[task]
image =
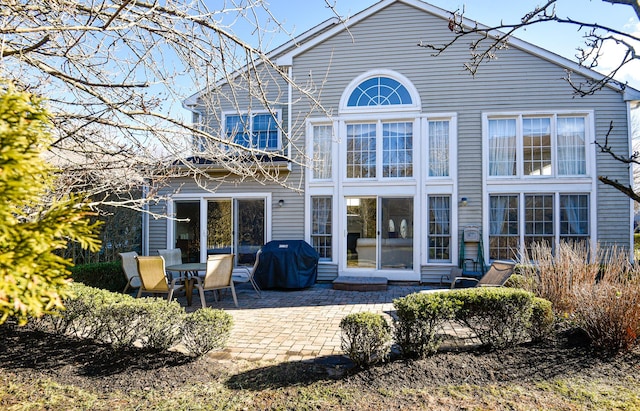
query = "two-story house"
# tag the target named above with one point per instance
(405, 163)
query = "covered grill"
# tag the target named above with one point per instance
(287, 264)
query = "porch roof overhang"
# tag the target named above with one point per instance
(267, 162)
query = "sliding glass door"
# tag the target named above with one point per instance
(379, 233)
(236, 226)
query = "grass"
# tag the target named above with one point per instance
(563, 394)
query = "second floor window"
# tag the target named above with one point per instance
(534, 146)
(260, 131)
(391, 141)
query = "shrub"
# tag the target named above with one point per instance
(117, 319)
(500, 317)
(80, 316)
(36, 225)
(160, 322)
(599, 289)
(542, 319)
(420, 317)
(108, 276)
(610, 315)
(366, 338)
(119, 322)
(520, 281)
(206, 329)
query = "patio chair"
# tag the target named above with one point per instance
(448, 278)
(245, 274)
(498, 274)
(217, 277)
(130, 269)
(172, 256)
(154, 279)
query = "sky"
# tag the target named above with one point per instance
(297, 16)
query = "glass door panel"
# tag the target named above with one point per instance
(362, 231)
(250, 230)
(396, 244)
(187, 230)
(219, 227)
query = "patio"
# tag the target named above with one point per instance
(300, 325)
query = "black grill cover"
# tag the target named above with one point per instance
(287, 264)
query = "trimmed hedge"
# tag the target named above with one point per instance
(499, 317)
(206, 329)
(123, 321)
(366, 338)
(107, 276)
(420, 317)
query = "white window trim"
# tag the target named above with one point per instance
(452, 118)
(590, 154)
(311, 123)
(203, 199)
(413, 92)
(278, 114)
(556, 191)
(378, 121)
(554, 184)
(453, 228)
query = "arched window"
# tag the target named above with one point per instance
(379, 91)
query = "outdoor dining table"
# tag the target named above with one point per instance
(190, 271)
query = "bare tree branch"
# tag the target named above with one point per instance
(116, 71)
(486, 42)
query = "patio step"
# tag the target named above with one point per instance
(349, 283)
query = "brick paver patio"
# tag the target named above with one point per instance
(298, 325)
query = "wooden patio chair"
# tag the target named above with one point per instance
(154, 279)
(217, 277)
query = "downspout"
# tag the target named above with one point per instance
(289, 107)
(631, 176)
(145, 221)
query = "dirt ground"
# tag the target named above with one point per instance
(27, 355)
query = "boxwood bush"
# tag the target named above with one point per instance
(366, 338)
(420, 317)
(499, 317)
(122, 321)
(206, 329)
(107, 276)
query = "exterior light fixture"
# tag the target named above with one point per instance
(464, 201)
(280, 203)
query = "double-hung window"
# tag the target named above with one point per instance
(321, 227)
(439, 228)
(259, 131)
(322, 152)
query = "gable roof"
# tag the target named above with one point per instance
(285, 53)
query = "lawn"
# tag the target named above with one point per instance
(42, 371)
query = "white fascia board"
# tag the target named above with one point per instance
(632, 95)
